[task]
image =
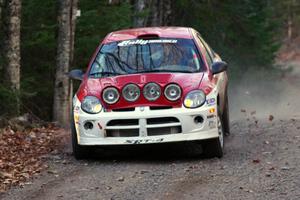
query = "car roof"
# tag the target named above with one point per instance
(164, 32)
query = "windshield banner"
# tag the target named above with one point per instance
(144, 42)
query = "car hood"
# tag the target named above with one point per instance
(187, 82)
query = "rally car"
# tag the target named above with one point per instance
(151, 85)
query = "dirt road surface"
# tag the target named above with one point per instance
(261, 160)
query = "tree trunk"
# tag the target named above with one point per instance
(160, 13)
(139, 14)
(1, 7)
(11, 50)
(73, 17)
(1, 29)
(114, 2)
(66, 31)
(290, 22)
(152, 13)
(167, 13)
(72, 47)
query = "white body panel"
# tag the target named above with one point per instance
(185, 128)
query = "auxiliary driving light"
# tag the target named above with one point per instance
(152, 91)
(131, 92)
(172, 92)
(110, 95)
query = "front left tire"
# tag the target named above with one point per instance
(80, 152)
(225, 116)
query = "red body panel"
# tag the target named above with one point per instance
(187, 81)
(164, 32)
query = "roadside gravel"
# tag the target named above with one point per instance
(261, 162)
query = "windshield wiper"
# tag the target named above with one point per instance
(105, 73)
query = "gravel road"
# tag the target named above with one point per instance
(261, 161)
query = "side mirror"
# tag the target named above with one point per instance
(218, 67)
(76, 74)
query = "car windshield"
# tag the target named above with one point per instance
(146, 56)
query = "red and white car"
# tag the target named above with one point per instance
(151, 85)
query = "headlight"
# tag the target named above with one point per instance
(194, 99)
(172, 92)
(151, 91)
(110, 95)
(91, 104)
(131, 92)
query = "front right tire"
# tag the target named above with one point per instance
(215, 147)
(225, 117)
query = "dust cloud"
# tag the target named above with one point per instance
(261, 94)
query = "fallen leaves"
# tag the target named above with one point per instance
(21, 153)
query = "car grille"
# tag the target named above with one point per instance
(143, 127)
(122, 133)
(151, 108)
(160, 107)
(123, 110)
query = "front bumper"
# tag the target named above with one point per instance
(145, 126)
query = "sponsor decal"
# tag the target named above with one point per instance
(212, 124)
(211, 101)
(76, 121)
(144, 42)
(76, 109)
(145, 141)
(212, 110)
(76, 118)
(211, 116)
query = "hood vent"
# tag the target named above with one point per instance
(148, 36)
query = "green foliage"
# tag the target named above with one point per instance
(38, 56)
(8, 101)
(97, 19)
(241, 31)
(244, 32)
(39, 28)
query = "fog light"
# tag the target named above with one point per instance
(198, 119)
(88, 125)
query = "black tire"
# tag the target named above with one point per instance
(79, 152)
(193, 149)
(213, 147)
(225, 117)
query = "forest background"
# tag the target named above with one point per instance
(33, 33)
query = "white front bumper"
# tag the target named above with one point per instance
(189, 130)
